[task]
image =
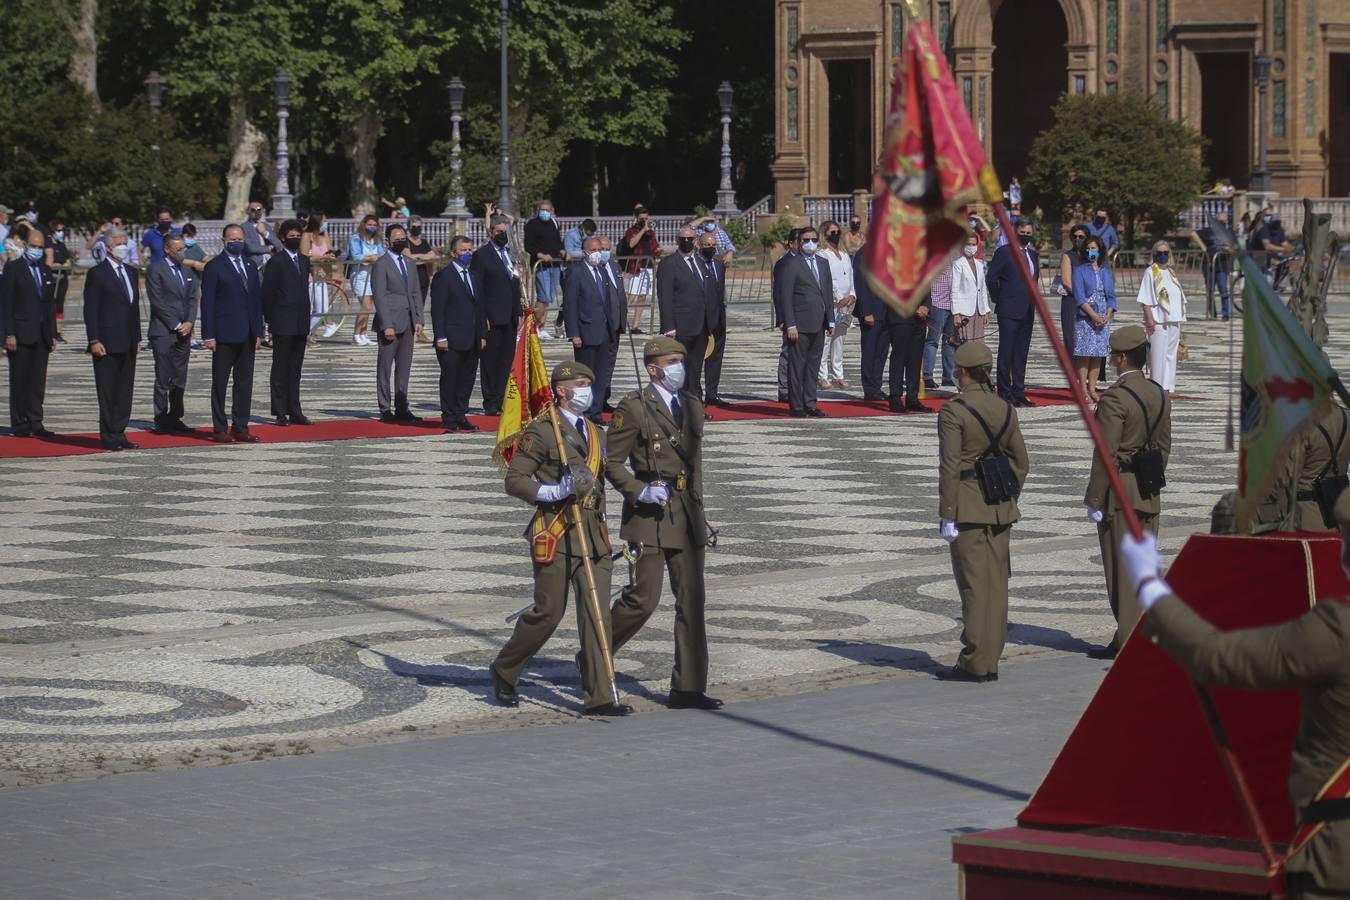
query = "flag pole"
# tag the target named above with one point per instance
(1230, 763)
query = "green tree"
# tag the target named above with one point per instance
(1120, 152)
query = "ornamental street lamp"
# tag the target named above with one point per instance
(454, 204)
(154, 91)
(726, 196)
(504, 179)
(1261, 177)
(281, 195)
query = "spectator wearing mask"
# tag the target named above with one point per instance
(58, 261)
(613, 273)
(112, 322)
(459, 330)
(1164, 306)
(174, 291)
(286, 309)
(641, 245)
(194, 257)
(969, 294)
(845, 298)
(153, 239)
(806, 309)
(1016, 312)
(259, 238)
(1101, 227)
(232, 329)
(97, 246)
(316, 245)
(1069, 260)
(593, 321)
(575, 238)
(398, 319)
(791, 247)
(364, 250)
(726, 250)
(939, 337)
(424, 255)
(544, 249)
(1095, 291)
(690, 299)
(1215, 265)
(853, 240)
(1269, 239)
(500, 297)
(28, 329)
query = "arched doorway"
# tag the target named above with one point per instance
(1030, 64)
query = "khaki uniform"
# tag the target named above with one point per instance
(1311, 653)
(1122, 423)
(980, 553)
(536, 462)
(1323, 450)
(675, 534)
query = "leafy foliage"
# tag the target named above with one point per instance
(1120, 152)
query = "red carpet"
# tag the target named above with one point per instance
(347, 429)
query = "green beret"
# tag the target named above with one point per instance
(569, 370)
(661, 346)
(973, 354)
(1128, 338)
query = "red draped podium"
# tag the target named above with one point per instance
(1138, 798)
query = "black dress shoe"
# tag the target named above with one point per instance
(128, 445)
(111, 448)
(609, 710)
(1107, 652)
(895, 406)
(301, 420)
(178, 426)
(1023, 401)
(467, 427)
(918, 407)
(222, 437)
(282, 421)
(387, 418)
(406, 417)
(817, 413)
(947, 382)
(797, 413)
(956, 673)
(43, 433)
(929, 384)
(245, 437)
(692, 700)
(504, 693)
(874, 397)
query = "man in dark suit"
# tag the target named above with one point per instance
(28, 328)
(285, 304)
(871, 313)
(775, 286)
(398, 320)
(501, 305)
(689, 309)
(460, 333)
(618, 299)
(112, 322)
(1016, 313)
(174, 290)
(593, 321)
(806, 309)
(906, 336)
(716, 286)
(232, 327)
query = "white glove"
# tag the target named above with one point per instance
(654, 493)
(947, 528)
(1096, 515)
(1143, 563)
(552, 493)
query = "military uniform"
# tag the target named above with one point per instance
(1133, 413)
(648, 442)
(556, 547)
(980, 556)
(1323, 452)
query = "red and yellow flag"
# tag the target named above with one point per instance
(527, 390)
(932, 167)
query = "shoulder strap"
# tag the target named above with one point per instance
(1149, 428)
(661, 423)
(1334, 448)
(993, 438)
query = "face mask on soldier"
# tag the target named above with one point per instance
(673, 378)
(580, 401)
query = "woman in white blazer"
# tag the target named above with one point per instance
(970, 296)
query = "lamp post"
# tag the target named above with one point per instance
(154, 91)
(454, 204)
(1261, 177)
(504, 179)
(726, 196)
(281, 195)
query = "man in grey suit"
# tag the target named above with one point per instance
(398, 320)
(260, 241)
(805, 303)
(174, 290)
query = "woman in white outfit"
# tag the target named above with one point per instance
(1164, 306)
(841, 272)
(970, 296)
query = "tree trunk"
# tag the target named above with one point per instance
(247, 143)
(362, 135)
(595, 181)
(84, 52)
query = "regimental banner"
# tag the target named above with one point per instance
(527, 390)
(1286, 387)
(932, 167)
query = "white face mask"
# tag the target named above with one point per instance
(971, 249)
(595, 257)
(808, 247)
(674, 376)
(121, 251)
(580, 401)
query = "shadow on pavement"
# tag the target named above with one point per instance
(880, 655)
(1053, 638)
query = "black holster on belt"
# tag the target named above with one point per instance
(993, 470)
(1325, 491)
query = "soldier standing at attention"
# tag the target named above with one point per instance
(1322, 457)
(658, 431)
(1311, 653)
(536, 475)
(1135, 418)
(982, 465)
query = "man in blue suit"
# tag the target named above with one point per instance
(593, 317)
(112, 321)
(460, 330)
(232, 327)
(1016, 313)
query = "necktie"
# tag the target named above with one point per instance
(239, 269)
(506, 261)
(468, 285)
(599, 283)
(295, 258)
(37, 278)
(677, 410)
(126, 283)
(585, 436)
(179, 272)
(707, 265)
(815, 273)
(693, 267)
(403, 270)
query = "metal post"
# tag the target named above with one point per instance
(281, 196)
(726, 196)
(1261, 177)
(504, 180)
(154, 93)
(454, 204)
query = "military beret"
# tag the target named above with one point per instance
(1125, 339)
(661, 346)
(973, 354)
(1342, 511)
(569, 370)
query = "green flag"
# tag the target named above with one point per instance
(1286, 386)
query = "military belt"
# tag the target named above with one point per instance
(1332, 810)
(968, 475)
(681, 480)
(1305, 495)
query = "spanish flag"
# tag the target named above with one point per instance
(527, 391)
(932, 167)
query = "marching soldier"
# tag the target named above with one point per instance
(658, 431)
(536, 475)
(1322, 458)
(1311, 653)
(982, 466)
(1135, 418)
